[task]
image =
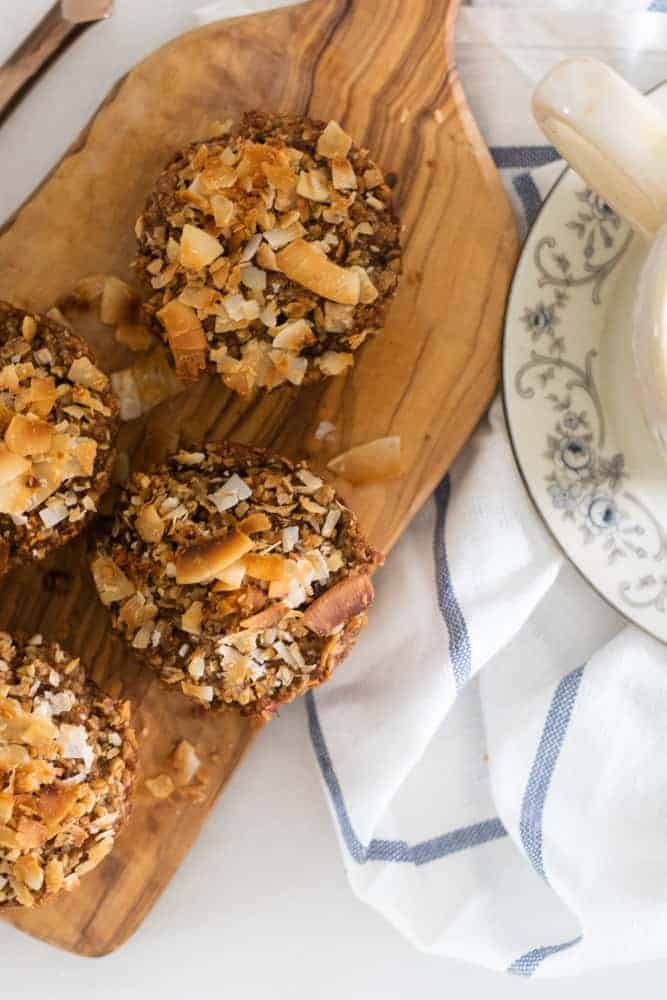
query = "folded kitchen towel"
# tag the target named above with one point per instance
(495, 750)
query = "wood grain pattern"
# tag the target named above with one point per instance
(386, 72)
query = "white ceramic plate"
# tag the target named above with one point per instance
(588, 458)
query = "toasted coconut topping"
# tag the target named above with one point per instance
(160, 787)
(149, 381)
(333, 142)
(11, 465)
(334, 362)
(112, 584)
(370, 462)
(117, 302)
(83, 372)
(306, 264)
(215, 597)
(338, 604)
(67, 763)
(185, 763)
(150, 525)
(279, 234)
(58, 421)
(185, 337)
(203, 561)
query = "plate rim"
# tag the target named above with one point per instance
(567, 169)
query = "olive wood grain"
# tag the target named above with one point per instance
(386, 71)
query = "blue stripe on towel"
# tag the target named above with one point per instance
(459, 640)
(660, 6)
(392, 850)
(526, 964)
(544, 765)
(528, 157)
(531, 199)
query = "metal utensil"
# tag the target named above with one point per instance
(59, 26)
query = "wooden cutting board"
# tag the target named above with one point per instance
(385, 69)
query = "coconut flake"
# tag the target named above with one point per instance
(278, 238)
(290, 654)
(75, 746)
(318, 562)
(293, 336)
(290, 537)
(185, 763)
(230, 493)
(333, 142)
(296, 595)
(330, 522)
(251, 247)
(197, 667)
(54, 514)
(324, 428)
(334, 362)
(370, 462)
(311, 482)
(253, 278)
(190, 457)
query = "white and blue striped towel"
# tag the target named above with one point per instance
(514, 816)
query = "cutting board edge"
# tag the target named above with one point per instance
(484, 390)
(119, 939)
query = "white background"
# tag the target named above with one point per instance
(261, 908)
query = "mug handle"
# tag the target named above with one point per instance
(613, 137)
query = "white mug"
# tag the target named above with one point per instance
(616, 140)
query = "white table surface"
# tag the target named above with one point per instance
(261, 908)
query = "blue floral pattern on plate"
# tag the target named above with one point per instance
(587, 482)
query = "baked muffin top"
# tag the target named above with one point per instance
(67, 764)
(58, 420)
(271, 252)
(236, 575)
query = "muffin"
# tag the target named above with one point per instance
(270, 252)
(67, 763)
(58, 421)
(236, 575)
